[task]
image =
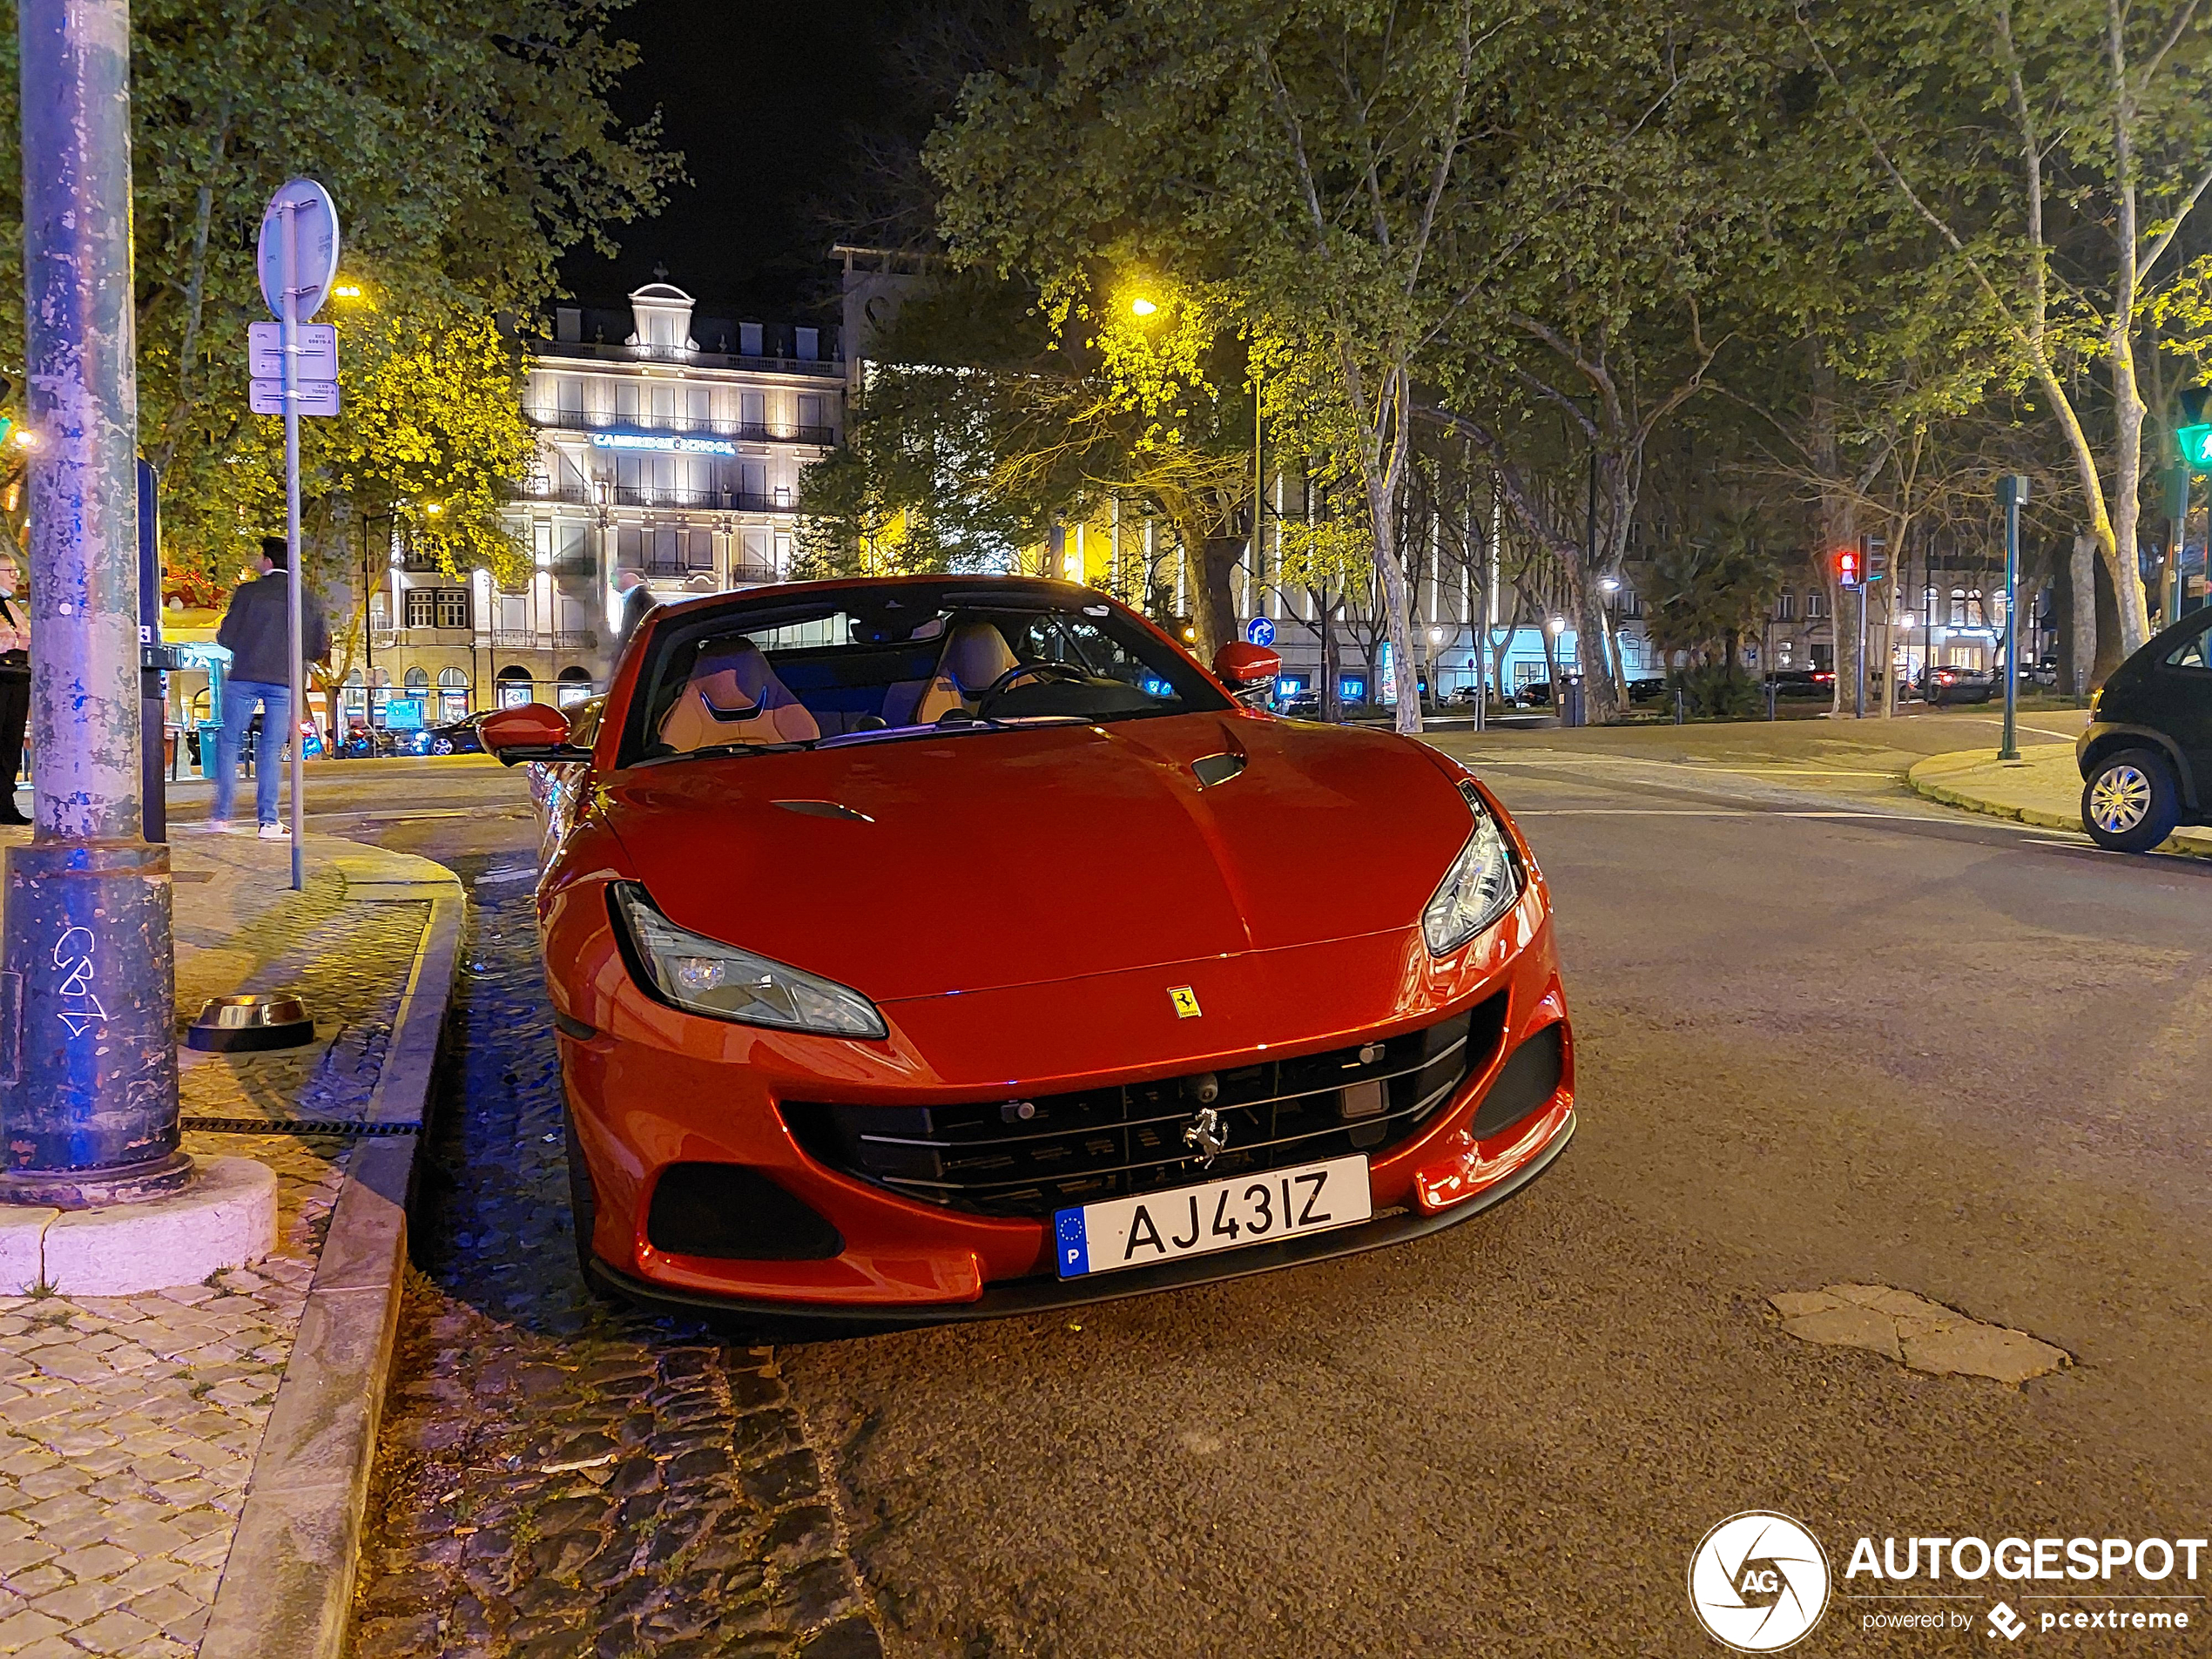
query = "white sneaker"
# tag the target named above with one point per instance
(276, 831)
(216, 825)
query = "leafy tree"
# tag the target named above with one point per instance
(1708, 592)
(468, 147)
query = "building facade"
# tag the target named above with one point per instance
(668, 443)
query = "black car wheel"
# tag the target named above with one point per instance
(441, 746)
(2130, 803)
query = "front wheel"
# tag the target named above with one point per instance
(441, 746)
(2130, 803)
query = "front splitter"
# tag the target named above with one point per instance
(813, 1322)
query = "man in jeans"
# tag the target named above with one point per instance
(256, 631)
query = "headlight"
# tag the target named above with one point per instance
(1480, 887)
(707, 977)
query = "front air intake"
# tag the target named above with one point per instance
(732, 1213)
(1526, 1084)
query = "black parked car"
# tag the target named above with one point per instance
(1802, 681)
(1940, 685)
(1646, 690)
(456, 736)
(2146, 755)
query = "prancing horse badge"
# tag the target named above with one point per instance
(1185, 1000)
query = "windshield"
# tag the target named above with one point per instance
(876, 663)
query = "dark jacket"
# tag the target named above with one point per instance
(254, 630)
(635, 604)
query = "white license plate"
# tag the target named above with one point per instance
(1215, 1214)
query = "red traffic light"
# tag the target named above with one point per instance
(1847, 567)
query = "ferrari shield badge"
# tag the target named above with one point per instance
(1185, 1000)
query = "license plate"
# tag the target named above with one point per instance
(1215, 1214)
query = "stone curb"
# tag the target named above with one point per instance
(287, 1586)
(1943, 777)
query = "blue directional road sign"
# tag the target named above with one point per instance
(1260, 631)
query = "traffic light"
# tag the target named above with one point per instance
(1874, 558)
(1847, 567)
(2194, 433)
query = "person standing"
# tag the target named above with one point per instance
(637, 600)
(15, 692)
(256, 631)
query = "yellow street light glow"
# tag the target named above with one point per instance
(434, 508)
(348, 291)
(1143, 307)
(25, 438)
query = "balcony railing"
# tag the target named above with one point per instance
(725, 501)
(547, 415)
(676, 569)
(828, 367)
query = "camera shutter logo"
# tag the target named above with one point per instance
(1758, 1583)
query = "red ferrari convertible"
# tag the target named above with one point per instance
(948, 946)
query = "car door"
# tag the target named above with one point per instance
(2180, 704)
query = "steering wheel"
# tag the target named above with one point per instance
(1004, 683)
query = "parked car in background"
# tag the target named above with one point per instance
(1537, 694)
(1801, 682)
(1646, 690)
(1941, 685)
(461, 737)
(2146, 755)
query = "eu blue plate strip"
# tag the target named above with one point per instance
(1074, 1246)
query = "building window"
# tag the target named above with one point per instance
(1785, 606)
(1816, 604)
(421, 606)
(453, 609)
(453, 694)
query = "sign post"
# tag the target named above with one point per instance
(2011, 490)
(299, 260)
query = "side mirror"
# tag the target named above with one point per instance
(1248, 671)
(533, 732)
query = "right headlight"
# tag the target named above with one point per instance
(1480, 887)
(704, 975)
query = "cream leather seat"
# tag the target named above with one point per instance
(976, 654)
(734, 696)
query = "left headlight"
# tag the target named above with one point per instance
(706, 977)
(1480, 887)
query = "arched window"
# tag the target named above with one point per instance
(417, 680)
(514, 687)
(356, 696)
(1958, 607)
(453, 694)
(574, 686)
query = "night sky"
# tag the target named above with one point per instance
(761, 96)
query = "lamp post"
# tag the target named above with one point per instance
(88, 1068)
(2011, 490)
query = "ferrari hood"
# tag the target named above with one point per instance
(927, 866)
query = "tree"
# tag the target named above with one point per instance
(1708, 592)
(2056, 154)
(468, 147)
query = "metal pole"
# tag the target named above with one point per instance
(88, 1065)
(1859, 692)
(2013, 493)
(293, 575)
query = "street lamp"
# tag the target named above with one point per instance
(1557, 624)
(1141, 306)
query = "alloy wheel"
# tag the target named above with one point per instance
(2119, 800)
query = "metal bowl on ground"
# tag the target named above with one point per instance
(257, 1020)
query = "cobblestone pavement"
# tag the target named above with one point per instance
(129, 1425)
(558, 1477)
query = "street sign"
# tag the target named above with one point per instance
(314, 235)
(316, 397)
(318, 351)
(1259, 631)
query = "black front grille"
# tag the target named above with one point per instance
(988, 1158)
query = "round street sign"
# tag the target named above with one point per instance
(315, 220)
(1260, 631)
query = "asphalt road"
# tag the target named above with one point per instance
(1895, 1045)
(1825, 1033)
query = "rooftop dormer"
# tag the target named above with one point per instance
(662, 315)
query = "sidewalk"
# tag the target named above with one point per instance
(133, 1429)
(2043, 786)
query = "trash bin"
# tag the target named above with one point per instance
(1570, 700)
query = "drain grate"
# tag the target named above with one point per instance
(296, 1126)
